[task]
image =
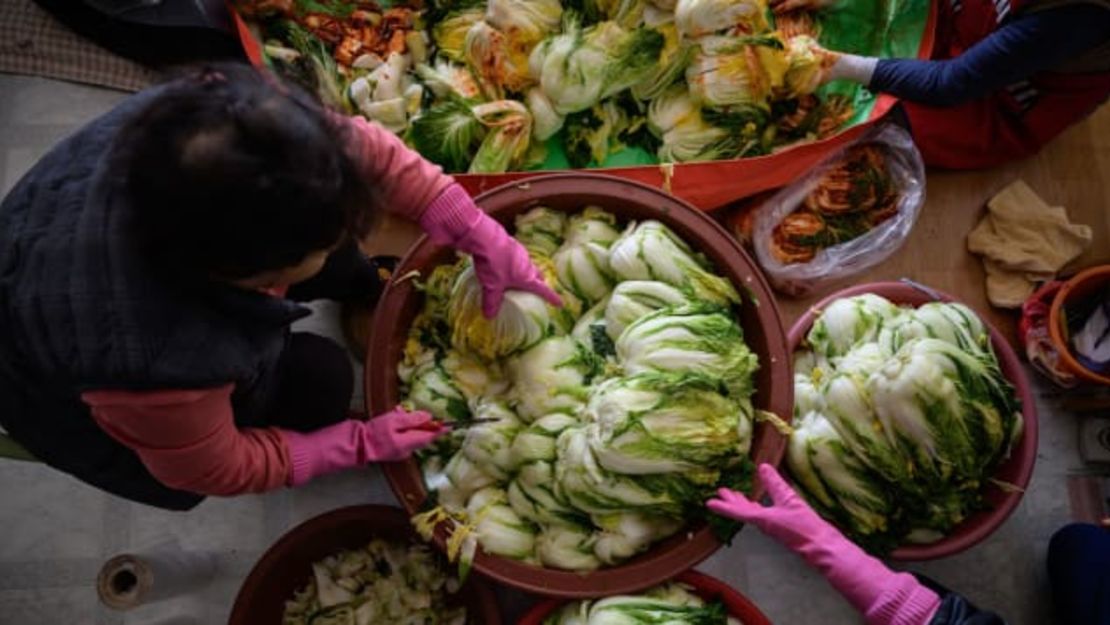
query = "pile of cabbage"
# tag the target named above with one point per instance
(669, 604)
(901, 417)
(381, 584)
(493, 81)
(588, 432)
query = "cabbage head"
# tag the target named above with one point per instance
(588, 487)
(540, 230)
(545, 121)
(804, 362)
(634, 299)
(834, 478)
(552, 377)
(637, 610)
(448, 80)
(584, 270)
(488, 444)
(678, 122)
(501, 531)
(698, 339)
(437, 288)
(533, 495)
(448, 133)
(622, 535)
(589, 330)
(567, 547)
(652, 251)
(525, 20)
(537, 441)
(849, 406)
(433, 391)
(698, 18)
(803, 72)
(449, 33)
(950, 414)
(506, 144)
(593, 225)
(626, 13)
(862, 360)
(746, 72)
(474, 378)
(669, 604)
(524, 320)
(670, 109)
(463, 479)
(655, 423)
(950, 322)
(582, 66)
(850, 321)
(673, 59)
(499, 63)
(807, 397)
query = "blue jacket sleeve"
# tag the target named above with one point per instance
(956, 610)
(1020, 48)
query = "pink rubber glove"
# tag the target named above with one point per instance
(881, 595)
(390, 436)
(500, 261)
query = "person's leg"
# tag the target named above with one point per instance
(315, 384)
(1079, 572)
(347, 276)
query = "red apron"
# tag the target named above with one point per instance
(1010, 123)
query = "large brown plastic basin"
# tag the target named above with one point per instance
(1016, 470)
(287, 565)
(630, 201)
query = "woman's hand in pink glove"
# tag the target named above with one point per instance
(394, 435)
(881, 595)
(789, 519)
(387, 437)
(500, 262)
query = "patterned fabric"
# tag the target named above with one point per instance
(32, 42)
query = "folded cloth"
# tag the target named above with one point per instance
(1023, 241)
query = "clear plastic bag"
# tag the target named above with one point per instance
(842, 260)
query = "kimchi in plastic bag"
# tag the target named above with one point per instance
(849, 213)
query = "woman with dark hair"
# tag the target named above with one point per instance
(1007, 76)
(149, 266)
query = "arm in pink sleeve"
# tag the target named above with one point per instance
(407, 182)
(188, 440)
(883, 596)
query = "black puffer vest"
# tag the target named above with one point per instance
(80, 310)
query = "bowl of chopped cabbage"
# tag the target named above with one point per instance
(915, 429)
(361, 564)
(690, 599)
(588, 437)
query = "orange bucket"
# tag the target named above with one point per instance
(1083, 285)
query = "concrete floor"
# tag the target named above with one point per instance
(56, 532)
